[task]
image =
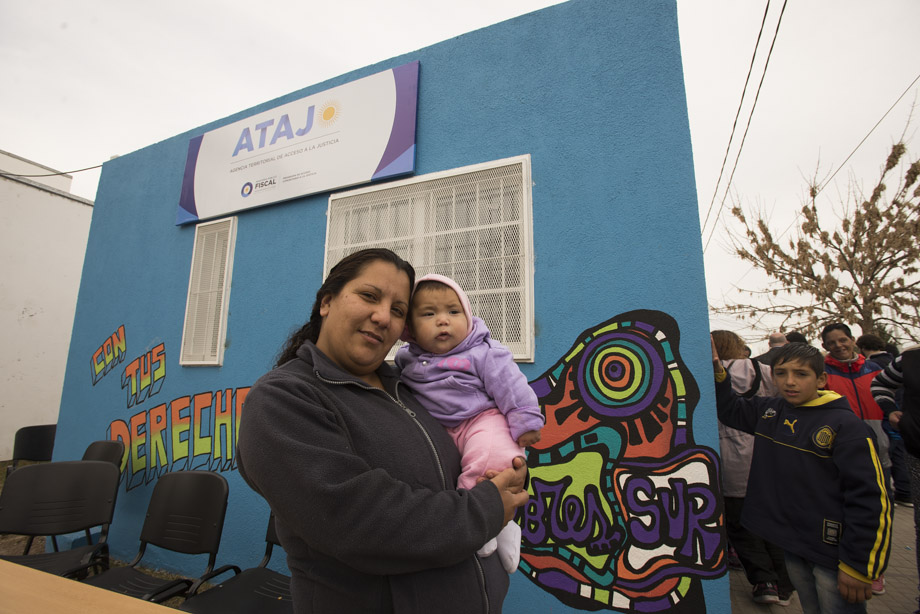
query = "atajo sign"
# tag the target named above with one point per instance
(351, 134)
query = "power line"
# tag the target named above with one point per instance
(88, 168)
(842, 164)
(747, 127)
(737, 114)
(855, 149)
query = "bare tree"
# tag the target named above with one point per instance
(862, 270)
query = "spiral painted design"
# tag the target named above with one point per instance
(620, 373)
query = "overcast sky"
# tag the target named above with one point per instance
(84, 81)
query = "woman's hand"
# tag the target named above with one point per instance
(510, 484)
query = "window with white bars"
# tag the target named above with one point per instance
(472, 224)
(205, 329)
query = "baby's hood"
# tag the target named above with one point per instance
(450, 283)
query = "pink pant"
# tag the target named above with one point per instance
(485, 443)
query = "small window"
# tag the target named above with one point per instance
(472, 224)
(205, 328)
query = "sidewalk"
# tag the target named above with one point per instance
(901, 578)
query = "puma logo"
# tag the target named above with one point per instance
(791, 425)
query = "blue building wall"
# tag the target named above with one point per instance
(591, 89)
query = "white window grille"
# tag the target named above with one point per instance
(473, 224)
(205, 329)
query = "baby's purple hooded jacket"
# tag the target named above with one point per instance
(478, 374)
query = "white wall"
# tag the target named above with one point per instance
(43, 234)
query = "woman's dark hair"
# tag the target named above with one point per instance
(343, 272)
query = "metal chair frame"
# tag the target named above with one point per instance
(185, 515)
(257, 589)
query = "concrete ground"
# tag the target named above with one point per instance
(900, 578)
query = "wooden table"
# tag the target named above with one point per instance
(24, 590)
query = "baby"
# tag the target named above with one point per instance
(470, 383)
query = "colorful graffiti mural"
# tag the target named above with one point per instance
(109, 354)
(190, 432)
(197, 431)
(624, 512)
(144, 376)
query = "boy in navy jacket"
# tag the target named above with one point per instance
(816, 487)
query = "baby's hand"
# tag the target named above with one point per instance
(528, 439)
